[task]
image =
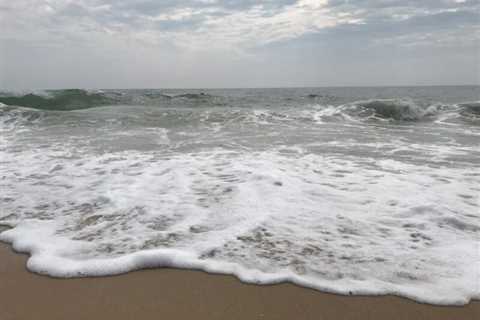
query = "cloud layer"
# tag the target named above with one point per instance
(137, 43)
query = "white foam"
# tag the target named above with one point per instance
(266, 217)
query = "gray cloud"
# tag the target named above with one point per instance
(135, 43)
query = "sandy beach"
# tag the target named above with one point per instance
(183, 294)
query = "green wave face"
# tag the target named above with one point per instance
(69, 99)
(332, 104)
(74, 99)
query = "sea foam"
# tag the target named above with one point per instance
(336, 225)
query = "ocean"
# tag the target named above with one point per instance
(346, 190)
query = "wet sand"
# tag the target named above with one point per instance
(183, 294)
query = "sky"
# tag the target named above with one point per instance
(243, 43)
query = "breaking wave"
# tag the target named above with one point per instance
(403, 110)
(290, 108)
(74, 99)
(470, 108)
(70, 99)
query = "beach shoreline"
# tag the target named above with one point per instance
(186, 294)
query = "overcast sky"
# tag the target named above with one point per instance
(244, 43)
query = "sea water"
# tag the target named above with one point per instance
(346, 190)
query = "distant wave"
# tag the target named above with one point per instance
(299, 109)
(69, 99)
(394, 109)
(471, 108)
(405, 110)
(74, 99)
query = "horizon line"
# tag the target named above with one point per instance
(246, 88)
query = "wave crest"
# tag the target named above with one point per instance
(285, 108)
(470, 108)
(74, 99)
(403, 110)
(69, 99)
